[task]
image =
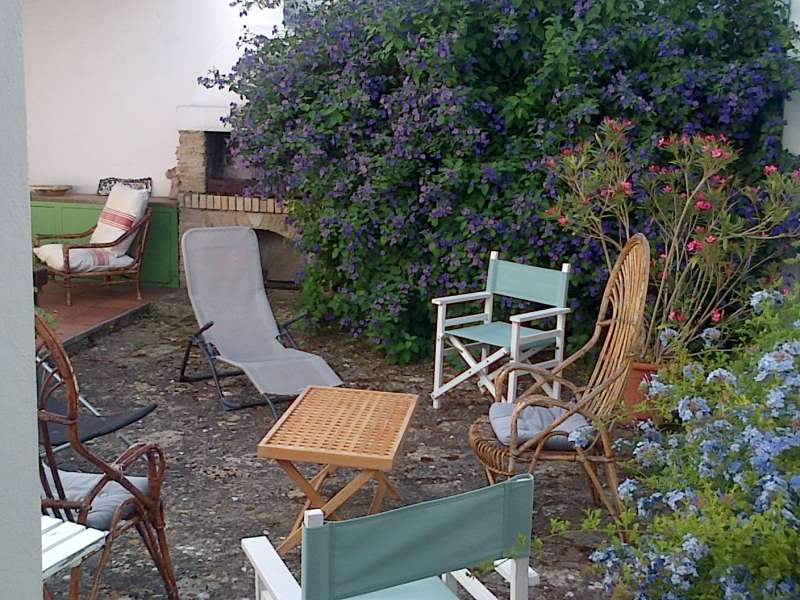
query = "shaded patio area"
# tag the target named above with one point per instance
(217, 491)
(94, 307)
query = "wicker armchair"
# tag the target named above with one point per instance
(132, 272)
(619, 327)
(109, 499)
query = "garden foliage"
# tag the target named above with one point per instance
(412, 134)
(713, 508)
(710, 235)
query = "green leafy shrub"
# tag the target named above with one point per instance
(411, 134)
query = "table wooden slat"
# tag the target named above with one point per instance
(340, 426)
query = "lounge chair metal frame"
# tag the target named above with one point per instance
(210, 353)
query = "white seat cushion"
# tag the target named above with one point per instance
(532, 421)
(124, 207)
(82, 260)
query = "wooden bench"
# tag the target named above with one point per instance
(66, 544)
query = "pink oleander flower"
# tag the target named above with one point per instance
(716, 315)
(710, 239)
(702, 204)
(662, 256)
(550, 163)
(770, 170)
(676, 316)
(566, 152)
(716, 153)
(626, 187)
(796, 175)
(667, 189)
(562, 220)
(694, 245)
(663, 142)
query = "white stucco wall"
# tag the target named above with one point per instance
(791, 110)
(20, 557)
(104, 80)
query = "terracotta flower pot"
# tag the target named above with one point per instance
(633, 394)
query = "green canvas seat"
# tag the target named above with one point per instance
(485, 344)
(499, 334)
(416, 552)
(432, 588)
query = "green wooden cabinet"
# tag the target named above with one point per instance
(161, 254)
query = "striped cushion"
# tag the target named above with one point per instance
(81, 260)
(124, 207)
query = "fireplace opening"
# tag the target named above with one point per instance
(223, 174)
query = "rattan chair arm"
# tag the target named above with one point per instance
(63, 236)
(156, 465)
(540, 373)
(130, 233)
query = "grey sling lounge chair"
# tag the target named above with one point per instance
(237, 327)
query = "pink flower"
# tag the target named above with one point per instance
(710, 239)
(663, 142)
(676, 316)
(716, 315)
(702, 204)
(770, 170)
(562, 220)
(566, 152)
(716, 153)
(626, 187)
(662, 256)
(550, 163)
(796, 175)
(667, 189)
(694, 246)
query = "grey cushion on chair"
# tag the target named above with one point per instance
(78, 485)
(532, 421)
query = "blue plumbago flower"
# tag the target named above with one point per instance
(692, 371)
(776, 399)
(762, 298)
(656, 388)
(796, 324)
(721, 375)
(693, 407)
(675, 498)
(626, 489)
(666, 336)
(647, 503)
(778, 361)
(710, 336)
(582, 436)
(694, 547)
(647, 452)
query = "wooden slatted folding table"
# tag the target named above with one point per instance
(339, 427)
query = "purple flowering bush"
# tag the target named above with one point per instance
(713, 510)
(410, 135)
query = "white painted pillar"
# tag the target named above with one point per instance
(20, 534)
(791, 109)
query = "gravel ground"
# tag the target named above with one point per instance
(218, 492)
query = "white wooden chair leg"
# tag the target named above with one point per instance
(516, 356)
(438, 363)
(519, 579)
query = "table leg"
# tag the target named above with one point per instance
(327, 508)
(377, 499)
(317, 481)
(381, 477)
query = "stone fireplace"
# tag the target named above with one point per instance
(211, 193)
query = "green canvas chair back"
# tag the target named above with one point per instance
(347, 558)
(526, 282)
